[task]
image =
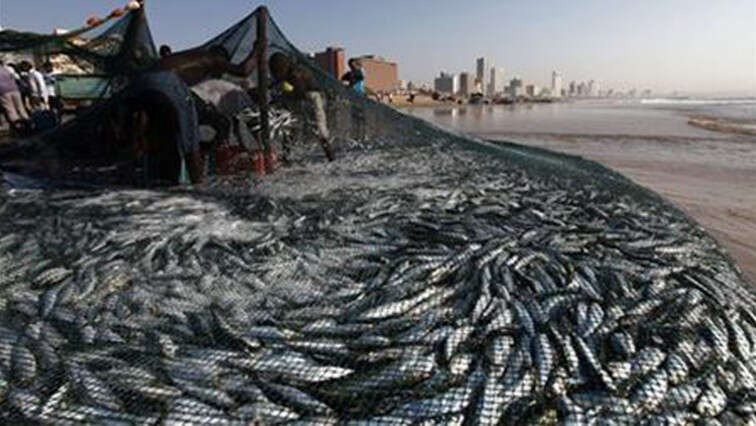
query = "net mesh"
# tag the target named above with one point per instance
(423, 277)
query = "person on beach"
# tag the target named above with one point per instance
(355, 77)
(53, 100)
(295, 84)
(10, 99)
(39, 95)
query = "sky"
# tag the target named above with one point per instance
(689, 46)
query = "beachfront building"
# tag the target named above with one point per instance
(380, 75)
(332, 61)
(516, 88)
(496, 84)
(592, 89)
(447, 83)
(531, 90)
(582, 89)
(465, 84)
(482, 66)
(556, 84)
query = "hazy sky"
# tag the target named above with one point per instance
(685, 45)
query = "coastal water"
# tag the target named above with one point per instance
(601, 117)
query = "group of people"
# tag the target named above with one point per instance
(157, 116)
(24, 91)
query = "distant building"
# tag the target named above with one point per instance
(466, 84)
(380, 74)
(496, 83)
(332, 61)
(556, 84)
(593, 89)
(573, 88)
(515, 87)
(531, 90)
(482, 66)
(447, 83)
(582, 89)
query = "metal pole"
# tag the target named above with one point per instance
(262, 74)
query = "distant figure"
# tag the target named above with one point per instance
(39, 94)
(355, 76)
(10, 99)
(53, 100)
(165, 50)
(296, 84)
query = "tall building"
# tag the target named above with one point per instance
(482, 66)
(380, 75)
(573, 88)
(466, 85)
(447, 83)
(593, 89)
(496, 83)
(332, 61)
(556, 84)
(515, 87)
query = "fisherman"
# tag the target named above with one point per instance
(355, 76)
(10, 99)
(295, 84)
(53, 100)
(165, 90)
(39, 94)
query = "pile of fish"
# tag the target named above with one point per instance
(399, 285)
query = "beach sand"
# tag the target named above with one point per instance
(712, 180)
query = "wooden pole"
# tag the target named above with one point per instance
(262, 74)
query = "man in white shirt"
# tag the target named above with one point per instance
(39, 93)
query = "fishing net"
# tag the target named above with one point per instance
(421, 278)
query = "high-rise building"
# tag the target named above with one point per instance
(332, 61)
(593, 89)
(496, 83)
(447, 83)
(482, 66)
(531, 90)
(556, 84)
(515, 87)
(380, 75)
(582, 89)
(466, 85)
(573, 88)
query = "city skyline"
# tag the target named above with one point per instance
(687, 46)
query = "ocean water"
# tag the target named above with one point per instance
(646, 118)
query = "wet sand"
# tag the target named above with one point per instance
(709, 175)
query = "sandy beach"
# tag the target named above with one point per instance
(708, 174)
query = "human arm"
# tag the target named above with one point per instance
(245, 68)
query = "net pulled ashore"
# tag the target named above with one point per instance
(422, 277)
